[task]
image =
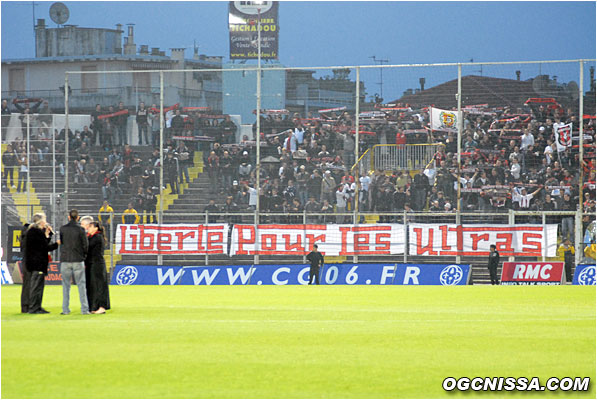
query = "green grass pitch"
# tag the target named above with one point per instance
(297, 341)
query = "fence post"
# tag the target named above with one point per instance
(355, 203)
(53, 174)
(511, 221)
(458, 221)
(544, 237)
(459, 139)
(581, 134)
(256, 222)
(29, 214)
(406, 239)
(305, 223)
(578, 237)
(206, 222)
(161, 210)
(111, 238)
(66, 141)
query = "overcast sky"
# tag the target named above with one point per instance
(349, 33)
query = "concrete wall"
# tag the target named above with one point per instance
(75, 41)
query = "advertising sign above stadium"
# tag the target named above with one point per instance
(244, 17)
(294, 274)
(532, 273)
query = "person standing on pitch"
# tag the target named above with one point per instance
(26, 287)
(494, 262)
(36, 258)
(73, 251)
(566, 250)
(316, 260)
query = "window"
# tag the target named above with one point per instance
(16, 77)
(88, 81)
(142, 81)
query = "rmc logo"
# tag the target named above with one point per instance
(127, 275)
(451, 275)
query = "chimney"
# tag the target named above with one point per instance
(41, 23)
(592, 75)
(129, 44)
(155, 51)
(422, 82)
(144, 49)
(119, 27)
(177, 54)
(517, 75)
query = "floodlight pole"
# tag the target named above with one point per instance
(66, 140)
(578, 226)
(459, 124)
(258, 137)
(29, 213)
(355, 219)
(53, 174)
(161, 209)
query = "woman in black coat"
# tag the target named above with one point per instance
(95, 270)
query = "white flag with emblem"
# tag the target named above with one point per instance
(443, 120)
(563, 134)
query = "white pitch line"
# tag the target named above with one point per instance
(368, 321)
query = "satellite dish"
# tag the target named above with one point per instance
(59, 13)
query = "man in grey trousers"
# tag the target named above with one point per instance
(73, 250)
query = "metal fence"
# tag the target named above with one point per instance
(331, 103)
(568, 225)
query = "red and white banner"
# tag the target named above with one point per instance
(332, 109)
(474, 240)
(443, 120)
(563, 134)
(532, 273)
(332, 240)
(172, 239)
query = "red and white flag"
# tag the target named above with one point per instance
(563, 134)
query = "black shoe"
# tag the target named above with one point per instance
(44, 310)
(24, 310)
(38, 312)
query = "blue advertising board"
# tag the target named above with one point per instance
(293, 274)
(584, 275)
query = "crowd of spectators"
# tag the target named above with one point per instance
(508, 160)
(123, 171)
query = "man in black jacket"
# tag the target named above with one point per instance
(10, 161)
(37, 245)
(316, 260)
(212, 208)
(73, 250)
(494, 262)
(121, 122)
